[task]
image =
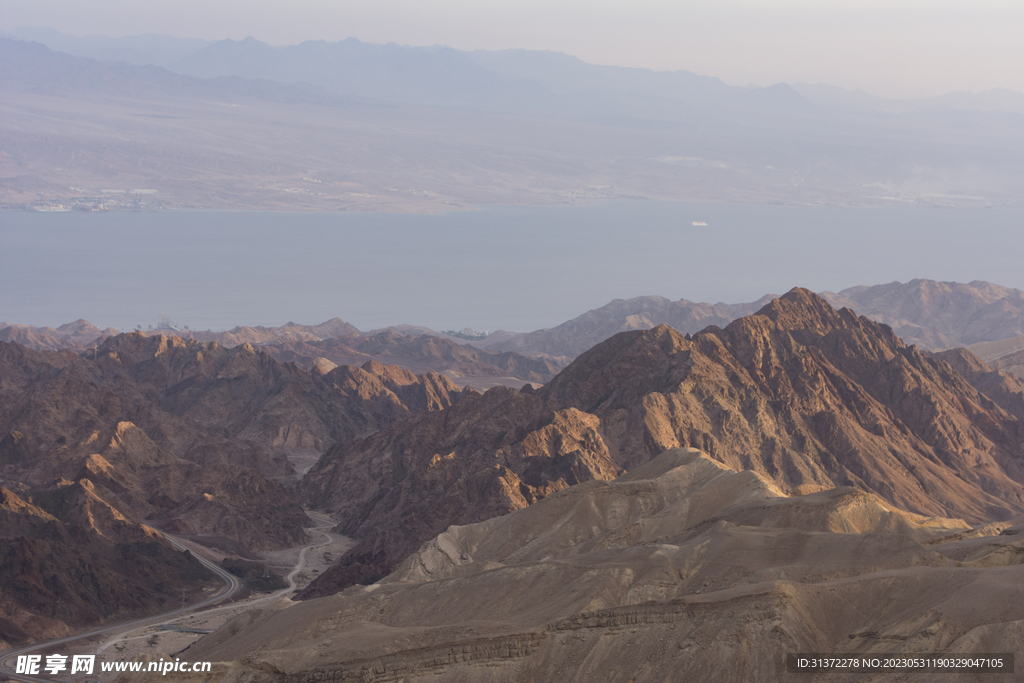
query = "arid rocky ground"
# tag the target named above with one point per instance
(850, 493)
(804, 395)
(681, 570)
(140, 434)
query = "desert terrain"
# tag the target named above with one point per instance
(682, 568)
(657, 489)
(702, 502)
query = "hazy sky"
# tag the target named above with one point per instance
(888, 47)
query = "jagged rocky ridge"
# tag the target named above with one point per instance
(573, 337)
(418, 350)
(418, 353)
(808, 397)
(143, 433)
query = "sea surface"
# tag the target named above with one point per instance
(513, 268)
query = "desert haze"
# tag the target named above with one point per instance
(350, 126)
(590, 372)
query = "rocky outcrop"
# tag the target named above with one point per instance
(805, 396)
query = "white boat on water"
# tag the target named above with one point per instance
(700, 224)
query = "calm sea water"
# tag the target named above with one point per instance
(517, 268)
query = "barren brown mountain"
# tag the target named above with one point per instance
(418, 353)
(1006, 388)
(940, 315)
(76, 336)
(84, 564)
(1012, 363)
(182, 436)
(680, 570)
(416, 349)
(930, 314)
(573, 337)
(806, 396)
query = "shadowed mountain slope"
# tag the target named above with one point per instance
(1005, 388)
(254, 397)
(680, 570)
(1013, 363)
(418, 353)
(806, 396)
(101, 449)
(72, 560)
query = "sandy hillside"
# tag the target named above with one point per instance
(680, 570)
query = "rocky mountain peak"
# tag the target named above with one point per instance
(804, 396)
(802, 309)
(77, 327)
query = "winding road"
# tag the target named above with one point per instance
(9, 658)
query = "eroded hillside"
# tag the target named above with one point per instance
(682, 569)
(808, 397)
(103, 450)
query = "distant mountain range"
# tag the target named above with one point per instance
(395, 126)
(940, 315)
(933, 315)
(433, 71)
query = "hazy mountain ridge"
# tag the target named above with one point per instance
(145, 49)
(575, 336)
(933, 315)
(434, 112)
(418, 353)
(422, 75)
(75, 336)
(805, 396)
(556, 71)
(938, 315)
(32, 68)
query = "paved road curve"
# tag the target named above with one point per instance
(300, 564)
(231, 585)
